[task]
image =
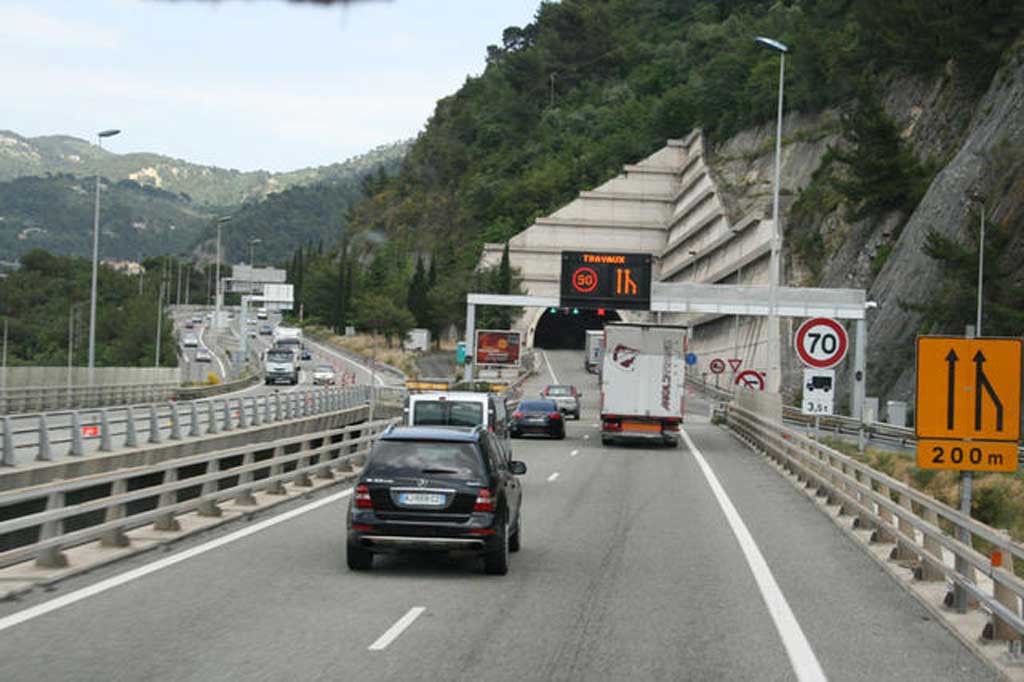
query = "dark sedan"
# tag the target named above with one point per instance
(431, 489)
(537, 416)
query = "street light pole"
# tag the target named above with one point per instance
(774, 352)
(252, 257)
(978, 199)
(95, 261)
(218, 293)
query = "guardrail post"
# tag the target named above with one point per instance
(8, 453)
(207, 504)
(52, 557)
(301, 479)
(246, 498)
(882, 534)
(998, 628)
(167, 522)
(965, 569)
(276, 487)
(278, 407)
(175, 422)
(863, 520)
(154, 425)
(226, 425)
(77, 450)
(929, 570)
(267, 415)
(131, 437)
(193, 417)
(255, 410)
(116, 537)
(901, 552)
(45, 454)
(211, 419)
(105, 431)
(243, 419)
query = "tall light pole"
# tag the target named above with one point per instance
(774, 353)
(975, 197)
(218, 293)
(95, 260)
(252, 242)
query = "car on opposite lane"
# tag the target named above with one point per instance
(566, 397)
(266, 329)
(436, 489)
(189, 340)
(539, 417)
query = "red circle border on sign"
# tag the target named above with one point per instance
(741, 377)
(719, 363)
(840, 353)
(582, 290)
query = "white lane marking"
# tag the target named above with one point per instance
(801, 656)
(118, 580)
(344, 358)
(223, 373)
(398, 628)
(554, 379)
(552, 477)
(574, 453)
(586, 436)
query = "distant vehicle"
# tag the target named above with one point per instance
(538, 416)
(203, 355)
(566, 397)
(594, 350)
(306, 355)
(288, 337)
(266, 329)
(430, 489)
(261, 314)
(280, 366)
(324, 375)
(642, 383)
(190, 340)
(197, 318)
(459, 408)
(189, 324)
(251, 322)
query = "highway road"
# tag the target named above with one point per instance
(696, 563)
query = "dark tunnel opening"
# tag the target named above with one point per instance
(565, 329)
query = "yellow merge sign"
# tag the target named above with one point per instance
(968, 403)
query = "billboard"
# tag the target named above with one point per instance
(497, 347)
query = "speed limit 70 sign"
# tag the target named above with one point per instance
(821, 342)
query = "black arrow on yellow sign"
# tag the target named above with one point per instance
(980, 380)
(951, 358)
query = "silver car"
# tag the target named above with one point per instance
(324, 375)
(566, 397)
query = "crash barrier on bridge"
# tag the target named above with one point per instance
(42, 398)
(921, 528)
(42, 522)
(46, 437)
(199, 392)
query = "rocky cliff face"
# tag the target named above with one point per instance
(977, 143)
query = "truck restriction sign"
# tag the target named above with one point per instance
(819, 392)
(717, 366)
(821, 342)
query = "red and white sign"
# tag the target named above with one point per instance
(750, 379)
(90, 431)
(821, 342)
(717, 366)
(734, 364)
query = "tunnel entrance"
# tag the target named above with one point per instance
(565, 329)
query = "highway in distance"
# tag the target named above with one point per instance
(636, 564)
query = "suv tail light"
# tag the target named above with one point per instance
(517, 415)
(484, 501)
(362, 498)
(556, 415)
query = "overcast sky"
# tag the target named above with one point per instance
(237, 83)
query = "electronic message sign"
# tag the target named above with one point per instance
(606, 280)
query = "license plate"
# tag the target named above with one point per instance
(536, 420)
(641, 426)
(421, 499)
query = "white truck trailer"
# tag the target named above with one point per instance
(592, 353)
(643, 376)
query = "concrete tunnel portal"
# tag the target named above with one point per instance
(564, 329)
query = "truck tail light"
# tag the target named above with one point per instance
(611, 426)
(362, 498)
(484, 501)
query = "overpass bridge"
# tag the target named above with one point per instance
(751, 553)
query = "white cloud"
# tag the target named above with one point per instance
(29, 27)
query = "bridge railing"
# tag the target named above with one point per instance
(923, 529)
(39, 398)
(43, 521)
(77, 433)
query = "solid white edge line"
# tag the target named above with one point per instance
(128, 576)
(329, 351)
(552, 477)
(801, 656)
(223, 372)
(397, 629)
(554, 379)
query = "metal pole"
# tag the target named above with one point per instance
(71, 348)
(188, 281)
(159, 325)
(177, 298)
(3, 377)
(981, 268)
(774, 359)
(858, 389)
(95, 268)
(467, 373)
(217, 295)
(960, 599)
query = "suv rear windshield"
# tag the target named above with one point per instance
(447, 413)
(391, 458)
(538, 406)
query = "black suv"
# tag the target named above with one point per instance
(436, 488)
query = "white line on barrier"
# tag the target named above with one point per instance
(118, 580)
(398, 628)
(574, 453)
(223, 372)
(552, 477)
(801, 656)
(554, 379)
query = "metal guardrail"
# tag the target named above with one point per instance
(44, 520)
(40, 398)
(39, 437)
(921, 527)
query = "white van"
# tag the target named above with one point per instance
(459, 408)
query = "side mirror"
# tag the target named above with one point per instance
(517, 468)
(579, 395)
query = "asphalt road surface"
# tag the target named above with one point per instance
(639, 564)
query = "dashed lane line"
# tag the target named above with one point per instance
(397, 629)
(574, 453)
(552, 477)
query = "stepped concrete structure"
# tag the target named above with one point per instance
(668, 205)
